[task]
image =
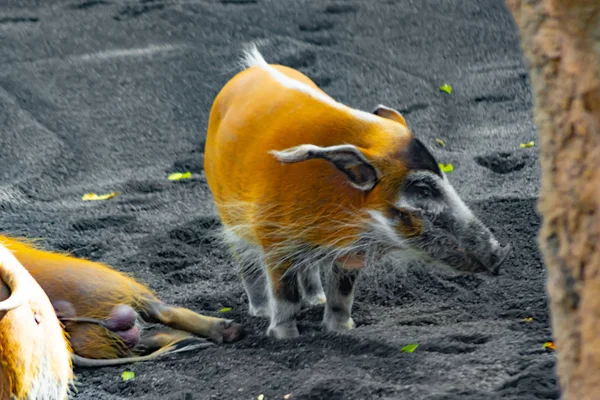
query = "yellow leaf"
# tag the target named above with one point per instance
(446, 88)
(127, 375)
(446, 167)
(260, 397)
(440, 142)
(528, 319)
(177, 176)
(287, 396)
(409, 348)
(549, 345)
(525, 145)
(94, 196)
(225, 309)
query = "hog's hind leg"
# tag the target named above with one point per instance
(285, 300)
(167, 337)
(217, 329)
(252, 273)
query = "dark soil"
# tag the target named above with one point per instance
(101, 96)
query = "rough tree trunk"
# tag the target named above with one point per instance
(561, 42)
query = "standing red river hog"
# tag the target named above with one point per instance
(35, 360)
(302, 181)
(104, 312)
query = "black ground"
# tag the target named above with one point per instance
(101, 96)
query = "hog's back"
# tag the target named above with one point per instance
(254, 114)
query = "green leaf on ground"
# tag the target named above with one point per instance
(446, 88)
(94, 196)
(409, 348)
(177, 176)
(446, 167)
(127, 375)
(526, 145)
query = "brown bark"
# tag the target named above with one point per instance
(561, 43)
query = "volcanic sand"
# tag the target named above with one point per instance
(102, 96)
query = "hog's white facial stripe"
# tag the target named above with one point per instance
(253, 58)
(447, 200)
(459, 208)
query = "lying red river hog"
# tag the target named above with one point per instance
(104, 312)
(34, 352)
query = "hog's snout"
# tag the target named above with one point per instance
(483, 245)
(466, 246)
(499, 254)
(483, 252)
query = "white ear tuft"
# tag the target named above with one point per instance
(295, 154)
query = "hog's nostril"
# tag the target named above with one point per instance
(500, 255)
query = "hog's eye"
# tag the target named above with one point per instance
(422, 190)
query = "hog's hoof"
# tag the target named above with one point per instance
(286, 330)
(233, 333)
(315, 300)
(259, 311)
(227, 331)
(337, 325)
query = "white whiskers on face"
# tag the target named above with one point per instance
(367, 235)
(383, 232)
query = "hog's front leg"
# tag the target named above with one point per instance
(340, 296)
(285, 301)
(310, 285)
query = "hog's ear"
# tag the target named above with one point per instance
(418, 157)
(389, 113)
(347, 158)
